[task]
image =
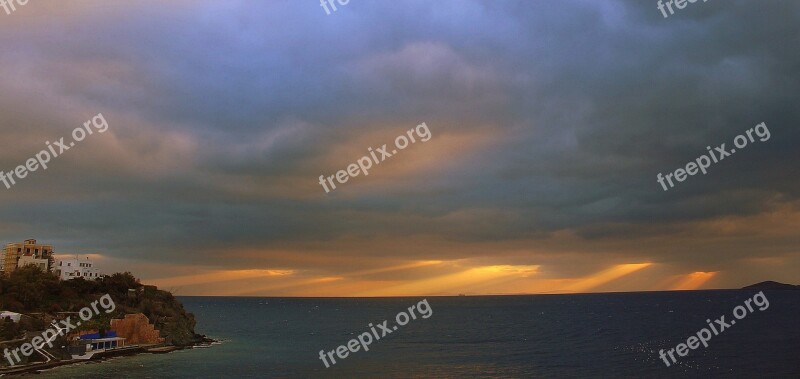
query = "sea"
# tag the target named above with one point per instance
(609, 335)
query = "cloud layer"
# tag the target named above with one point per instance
(550, 121)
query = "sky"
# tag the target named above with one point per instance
(549, 122)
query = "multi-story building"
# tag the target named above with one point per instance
(15, 251)
(77, 268)
(29, 259)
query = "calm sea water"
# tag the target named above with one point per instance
(548, 336)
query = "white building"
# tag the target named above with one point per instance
(73, 268)
(14, 316)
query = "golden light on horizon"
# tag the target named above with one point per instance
(522, 270)
(605, 276)
(218, 276)
(394, 268)
(694, 280)
(449, 284)
(284, 285)
(487, 279)
(451, 278)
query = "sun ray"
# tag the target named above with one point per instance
(605, 276)
(694, 280)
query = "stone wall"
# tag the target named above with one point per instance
(136, 329)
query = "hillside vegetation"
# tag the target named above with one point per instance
(31, 291)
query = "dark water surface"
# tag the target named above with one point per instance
(546, 336)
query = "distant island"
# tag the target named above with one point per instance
(771, 286)
(128, 318)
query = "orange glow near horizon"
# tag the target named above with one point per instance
(218, 276)
(281, 286)
(453, 277)
(394, 268)
(605, 276)
(694, 280)
(453, 283)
